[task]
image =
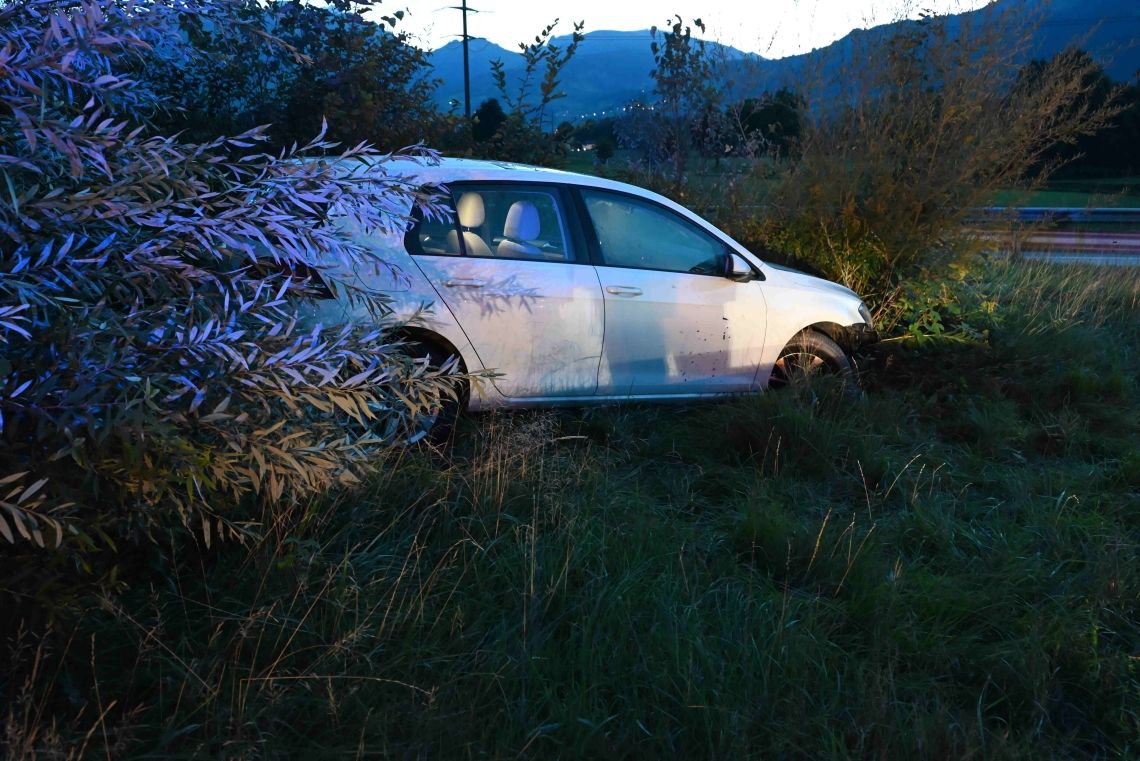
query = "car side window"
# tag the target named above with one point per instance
(636, 233)
(433, 235)
(512, 222)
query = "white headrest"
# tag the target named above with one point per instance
(522, 221)
(470, 209)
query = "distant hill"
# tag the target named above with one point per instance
(448, 64)
(612, 68)
(1112, 28)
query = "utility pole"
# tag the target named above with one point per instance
(466, 66)
(466, 59)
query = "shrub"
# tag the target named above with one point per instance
(156, 365)
(907, 131)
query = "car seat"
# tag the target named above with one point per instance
(471, 214)
(521, 227)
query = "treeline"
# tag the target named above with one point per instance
(371, 85)
(334, 65)
(1108, 153)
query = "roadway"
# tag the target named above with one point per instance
(1069, 236)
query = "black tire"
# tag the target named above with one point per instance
(809, 355)
(438, 426)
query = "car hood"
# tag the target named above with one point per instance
(799, 279)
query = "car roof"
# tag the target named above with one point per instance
(449, 169)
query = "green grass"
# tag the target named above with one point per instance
(1122, 192)
(946, 569)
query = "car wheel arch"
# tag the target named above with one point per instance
(832, 330)
(429, 339)
(849, 337)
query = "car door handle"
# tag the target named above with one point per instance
(464, 282)
(623, 290)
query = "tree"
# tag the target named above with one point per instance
(364, 80)
(646, 136)
(520, 136)
(605, 149)
(329, 64)
(684, 79)
(488, 119)
(157, 364)
(685, 115)
(541, 54)
(773, 119)
(1111, 152)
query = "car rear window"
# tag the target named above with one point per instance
(433, 236)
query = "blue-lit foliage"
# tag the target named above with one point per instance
(156, 369)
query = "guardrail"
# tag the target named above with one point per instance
(1062, 215)
(1071, 235)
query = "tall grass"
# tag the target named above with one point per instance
(945, 570)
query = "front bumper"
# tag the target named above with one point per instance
(859, 335)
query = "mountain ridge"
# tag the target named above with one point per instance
(611, 68)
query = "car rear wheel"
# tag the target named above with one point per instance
(438, 424)
(812, 355)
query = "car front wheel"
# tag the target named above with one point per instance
(811, 355)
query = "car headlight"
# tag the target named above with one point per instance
(865, 313)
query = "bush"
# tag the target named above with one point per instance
(906, 132)
(156, 365)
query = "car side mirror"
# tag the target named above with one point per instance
(738, 269)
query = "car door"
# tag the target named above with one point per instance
(522, 290)
(675, 324)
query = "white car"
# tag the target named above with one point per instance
(580, 290)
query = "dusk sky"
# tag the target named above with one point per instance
(773, 28)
